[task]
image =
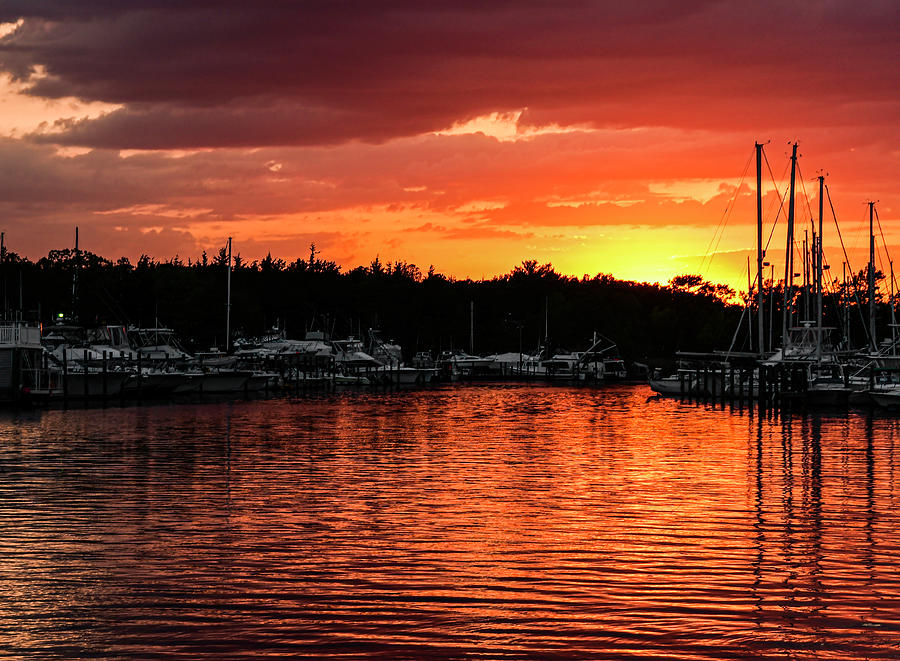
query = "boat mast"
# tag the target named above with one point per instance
(819, 260)
(750, 307)
(472, 327)
(789, 255)
(873, 344)
(546, 319)
(228, 303)
(893, 315)
(759, 251)
(3, 262)
(75, 278)
(806, 254)
(845, 299)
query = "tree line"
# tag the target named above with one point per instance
(530, 306)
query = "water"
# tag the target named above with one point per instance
(480, 522)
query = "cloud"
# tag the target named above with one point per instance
(583, 131)
(201, 73)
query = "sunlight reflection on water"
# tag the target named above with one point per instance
(490, 521)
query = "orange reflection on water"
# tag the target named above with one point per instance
(494, 520)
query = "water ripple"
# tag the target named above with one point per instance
(489, 522)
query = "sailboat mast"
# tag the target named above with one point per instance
(759, 251)
(845, 299)
(750, 307)
(75, 278)
(806, 249)
(228, 303)
(871, 292)
(893, 315)
(3, 262)
(789, 255)
(472, 327)
(819, 260)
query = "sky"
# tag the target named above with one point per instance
(600, 136)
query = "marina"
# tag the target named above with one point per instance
(67, 362)
(449, 331)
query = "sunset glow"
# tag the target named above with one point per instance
(596, 137)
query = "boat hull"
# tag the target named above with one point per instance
(224, 382)
(889, 399)
(159, 384)
(80, 385)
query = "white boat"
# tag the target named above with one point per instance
(191, 384)
(349, 355)
(456, 365)
(154, 383)
(157, 344)
(260, 381)
(79, 383)
(224, 381)
(886, 396)
(213, 382)
(614, 369)
(400, 375)
(350, 380)
(675, 384)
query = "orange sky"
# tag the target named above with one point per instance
(598, 137)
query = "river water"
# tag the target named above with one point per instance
(479, 521)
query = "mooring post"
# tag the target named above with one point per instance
(87, 384)
(761, 393)
(65, 380)
(782, 387)
(775, 386)
(140, 376)
(15, 381)
(723, 382)
(104, 378)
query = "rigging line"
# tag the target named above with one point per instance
(832, 290)
(849, 267)
(775, 223)
(737, 330)
(884, 248)
(837, 227)
(721, 234)
(772, 174)
(835, 295)
(723, 221)
(720, 226)
(861, 228)
(744, 311)
(780, 197)
(805, 195)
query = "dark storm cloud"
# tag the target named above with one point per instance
(226, 73)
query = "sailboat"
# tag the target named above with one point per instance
(804, 345)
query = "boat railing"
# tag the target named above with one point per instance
(20, 334)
